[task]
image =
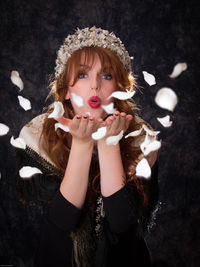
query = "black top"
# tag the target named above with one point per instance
(119, 242)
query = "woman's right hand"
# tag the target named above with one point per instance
(81, 127)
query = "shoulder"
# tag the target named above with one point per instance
(31, 133)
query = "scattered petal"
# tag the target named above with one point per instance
(165, 121)
(150, 132)
(122, 95)
(58, 110)
(152, 146)
(4, 129)
(27, 171)
(178, 69)
(100, 133)
(166, 98)
(78, 100)
(15, 78)
(109, 108)
(18, 142)
(135, 133)
(88, 113)
(149, 78)
(143, 169)
(114, 140)
(24, 103)
(61, 126)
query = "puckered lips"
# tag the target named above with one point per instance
(94, 102)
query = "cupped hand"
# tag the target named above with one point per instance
(117, 122)
(81, 127)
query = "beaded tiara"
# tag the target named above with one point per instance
(88, 37)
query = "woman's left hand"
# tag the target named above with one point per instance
(117, 122)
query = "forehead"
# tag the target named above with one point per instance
(89, 58)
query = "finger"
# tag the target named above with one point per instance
(83, 124)
(63, 120)
(122, 120)
(91, 125)
(128, 120)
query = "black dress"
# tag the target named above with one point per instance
(111, 233)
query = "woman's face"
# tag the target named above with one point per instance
(94, 86)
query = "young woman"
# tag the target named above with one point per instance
(97, 209)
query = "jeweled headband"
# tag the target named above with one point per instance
(91, 37)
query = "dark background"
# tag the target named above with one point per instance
(158, 34)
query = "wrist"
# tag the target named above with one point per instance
(82, 143)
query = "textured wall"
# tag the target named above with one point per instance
(158, 34)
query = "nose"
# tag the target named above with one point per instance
(95, 83)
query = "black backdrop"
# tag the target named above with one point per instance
(158, 34)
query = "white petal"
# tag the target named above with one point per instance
(143, 169)
(24, 103)
(88, 113)
(15, 78)
(155, 145)
(18, 142)
(4, 129)
(150, 132)
(122, 95)
(78, 100)
(178, 69)
(27, 171)
(135, 133)
(149, 78)
(166, 98)
(100, 133)
(58, 110)
(61, 126)
(114, 140)
(109, 108)
(165, 121)
(148, 139)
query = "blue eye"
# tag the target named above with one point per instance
(107, 76)
(82, 75)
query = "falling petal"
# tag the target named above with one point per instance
(61, 126)
(24, 103)
(100, 133)
(27, 171)
(149, 78)
(122, 95)
(178, 69)
(114, 140)
(166, 98)
(134, 133)
(165, 121)
(18, 142)
(78, 100)
(109, 108)
(88, 113)
(58, 110)
(143, 169)
(4, 129)
(15, 78)
(152, 146)
(150, 132)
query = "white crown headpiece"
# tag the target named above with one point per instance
(91, 37)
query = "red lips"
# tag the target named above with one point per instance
(94, 102)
